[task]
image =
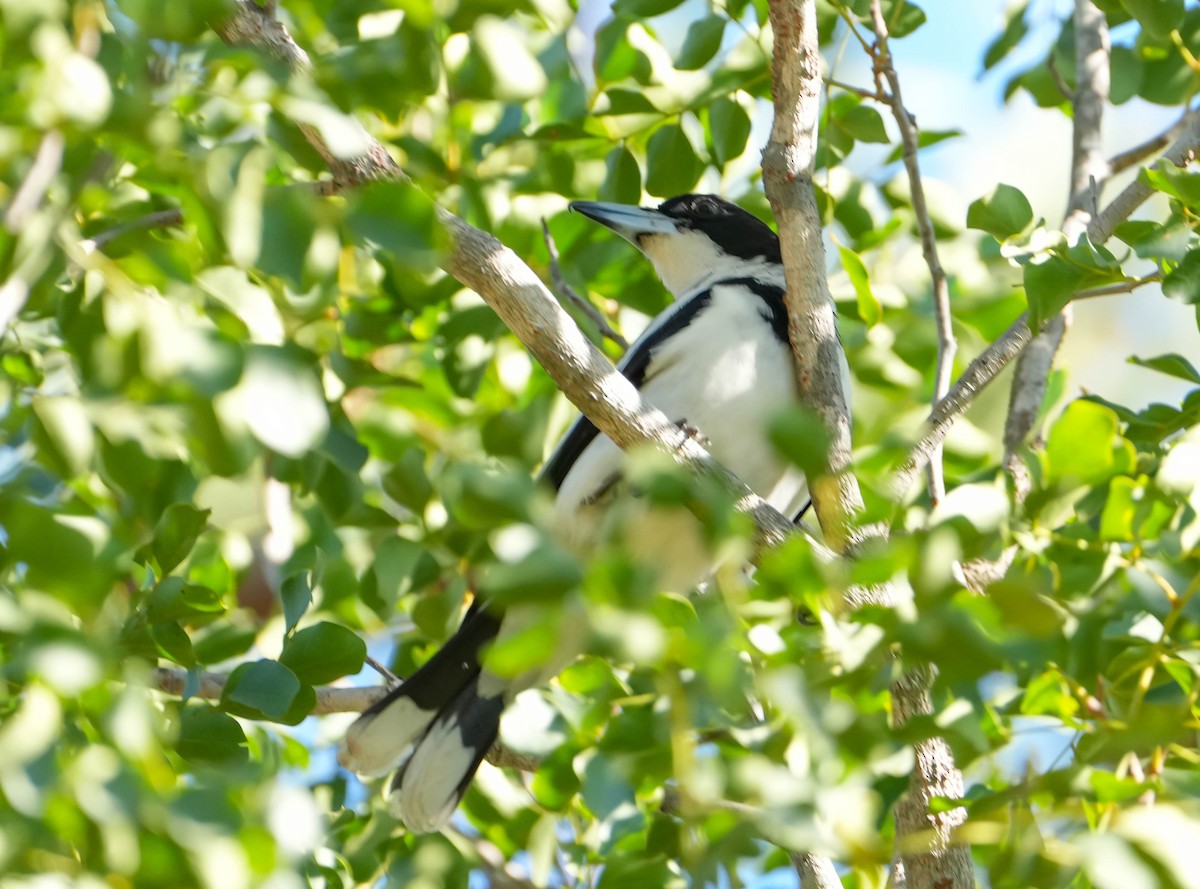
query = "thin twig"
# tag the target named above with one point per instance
(564, 290)
(1133, 156)
(1120, 287)
(391, 678)
(1181, 153)
(158, 219)
(947, 345)
(875, 94)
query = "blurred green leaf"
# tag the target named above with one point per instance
(1004, 213)
(1055, 278)
(297, 595)
(177, 531)
(209, 737)
(728, 128)
(701, 43)
(1183, 282)
(319, 654)
(1158, 17)
(672, 166)
(623, 178)
(869, 309)
(268, 690)
(1172, 365)
(1085, 446)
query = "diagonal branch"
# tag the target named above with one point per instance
(479, 261)
(1182, 152)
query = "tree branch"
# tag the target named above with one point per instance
(909, 138)
(1131, 157)
(1181, 153)
(1089, 168)
(812, 320)
(815, 871)
(985, 368)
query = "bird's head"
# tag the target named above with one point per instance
(693, 239)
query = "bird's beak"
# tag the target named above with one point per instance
(630, 222)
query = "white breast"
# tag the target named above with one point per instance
(728, 377)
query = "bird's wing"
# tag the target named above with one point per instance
(634, 366)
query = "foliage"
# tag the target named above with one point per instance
(245, 441)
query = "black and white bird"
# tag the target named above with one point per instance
(718, 360)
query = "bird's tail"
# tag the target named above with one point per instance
(434, 729)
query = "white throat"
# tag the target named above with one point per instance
(689, 262)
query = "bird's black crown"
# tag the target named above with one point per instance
(736, 231)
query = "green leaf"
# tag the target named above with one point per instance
(869, 309)
(1014, 32)
(672, 166)
(643, 8)
(622, 178)
(864, 124)
(178, 23)
(1085, 446)
(1172, 365)
(701, 43)
(1158, 17)
(223, 640)
(1183, 282)
(209, 737)
(625, 101)
(1116, 521)
(324, 652)
(172, 643)
(296, 593)
(1174, 182)
(728, 129)
(902, 17)
(1128, 73)
(800, 436)
(267, 690)
(173, 599)
(608, 795)
(616, 57)
(178, 529)
(485, 497)
(1053, 279)
(402, 567)
(1003, 213)
(516, 73)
